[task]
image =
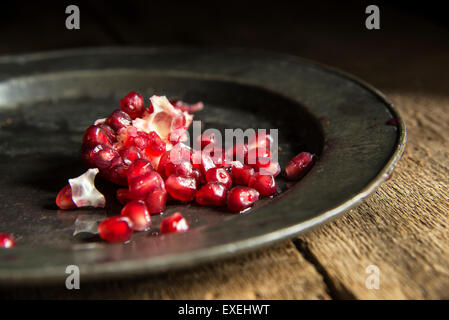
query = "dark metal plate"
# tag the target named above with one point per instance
(47, 100)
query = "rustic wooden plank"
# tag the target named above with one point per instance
(403, 227)
(279, 272)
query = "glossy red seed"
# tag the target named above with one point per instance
(143, 185)
(102, 156)
(206, 139)
(116, 174)
(130, 154)
(7, 240)
(261, 140)
(115, 229)
(139, 168)
(267, 166)
(108, 131)
(177, 155)
(157, 146)
(64, 198)
(202, 161)
(211, 194)
(124, 196)
(181, 188)
(264, 184)
(174, 223)
(133, 104)
(237, 152)
(138, 213)
(185, 168)
(156, 201)
(241, 198)
(118, 119)
(299, 166)
(96, 135)
(141, 140)
(219, 175)
(240, 174)
(253, 154)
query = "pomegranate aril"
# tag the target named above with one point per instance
(139, 168)
(267, 166)
(184, 168)
(298, 166)
(141, 140)
(211, 194)
(157, 146)
(124, 196)
(252, 156)
(174, 223)
(130, 154)
(7, 240)
(237, 152)
(133, 104)
(241, 174)
(64, 198)
(261, 140)
(115, 229)
(118, 119)
(138, 213)
(219, 175)
(156, 201)
(143, 185)
(108, 131)
(181, 188)
(241, 198)
(102, 156)
(96, 135)
(264, 184)
(177, 155)
(116, 174)
(202, 161)
(206, 139)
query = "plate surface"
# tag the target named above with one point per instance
(47, 100)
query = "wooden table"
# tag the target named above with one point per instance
(403, 228)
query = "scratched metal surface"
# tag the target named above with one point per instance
(47, 101)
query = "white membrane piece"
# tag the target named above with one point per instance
(84, 193)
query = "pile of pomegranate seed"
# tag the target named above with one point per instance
(140, 148)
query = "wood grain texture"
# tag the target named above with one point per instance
(281, 269)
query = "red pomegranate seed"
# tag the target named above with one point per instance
(141, 140)
(219, 175)
(133, 104)
(261, 140)
(264, 184)
(138, 213)
(7, 240)
(156, 201)
(96, 135)
(118, 119)
(115, 229)
(117, 175)
(102, 156)
(124, 196)
(298, 166)
(206, 139)
(139, 168)
(176, 155)
(241, 173)
(237, 152)
(253, 154)
(241, 198)
(181, 188)
(157, 146)
(108, 131)
(64, 198)
(130, 154)
(202, 161)
(211, 194)
(174, 223)
(143, 185)
(267, 166)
